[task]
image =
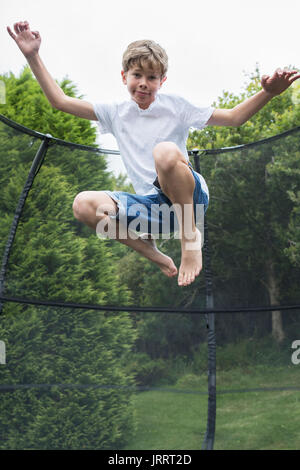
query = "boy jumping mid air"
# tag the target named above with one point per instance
(151, 130)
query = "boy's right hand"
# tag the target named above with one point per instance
(28, 41)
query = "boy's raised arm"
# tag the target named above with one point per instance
(271, 86)
(29, 43)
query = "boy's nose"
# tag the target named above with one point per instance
(143, 82)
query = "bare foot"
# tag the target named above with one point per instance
(164, 262)
(191, 260)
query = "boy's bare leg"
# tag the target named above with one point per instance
(177, 182)
(87, 209)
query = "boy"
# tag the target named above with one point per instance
(151, 130)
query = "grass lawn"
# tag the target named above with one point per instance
(251, 420)
(169, 421)
(258, 420)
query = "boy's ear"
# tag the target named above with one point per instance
(163, 80)
(124, 77)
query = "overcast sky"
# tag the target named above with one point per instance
(210, 44)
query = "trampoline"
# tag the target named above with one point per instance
(89, 351)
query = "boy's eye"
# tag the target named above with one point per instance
(138, 75)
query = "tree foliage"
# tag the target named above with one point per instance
(27, 105)
(254, 196)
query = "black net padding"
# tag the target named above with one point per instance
(102, 351)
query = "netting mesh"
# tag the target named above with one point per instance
(82, 378)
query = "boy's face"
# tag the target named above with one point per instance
(142, 84)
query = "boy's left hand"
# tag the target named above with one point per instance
(280, 81)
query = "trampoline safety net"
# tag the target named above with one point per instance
(100, 350)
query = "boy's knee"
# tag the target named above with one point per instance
(98, 204)
(79, 203)
(166, 155)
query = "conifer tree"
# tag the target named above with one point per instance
(55, 258)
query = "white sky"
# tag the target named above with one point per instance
(210, 44)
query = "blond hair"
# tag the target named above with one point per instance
(145, 53)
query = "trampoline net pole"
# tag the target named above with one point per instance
(208, 442)
(36, 164)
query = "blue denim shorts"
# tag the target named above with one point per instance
(152, 213)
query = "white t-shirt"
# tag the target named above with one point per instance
(137, 131)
